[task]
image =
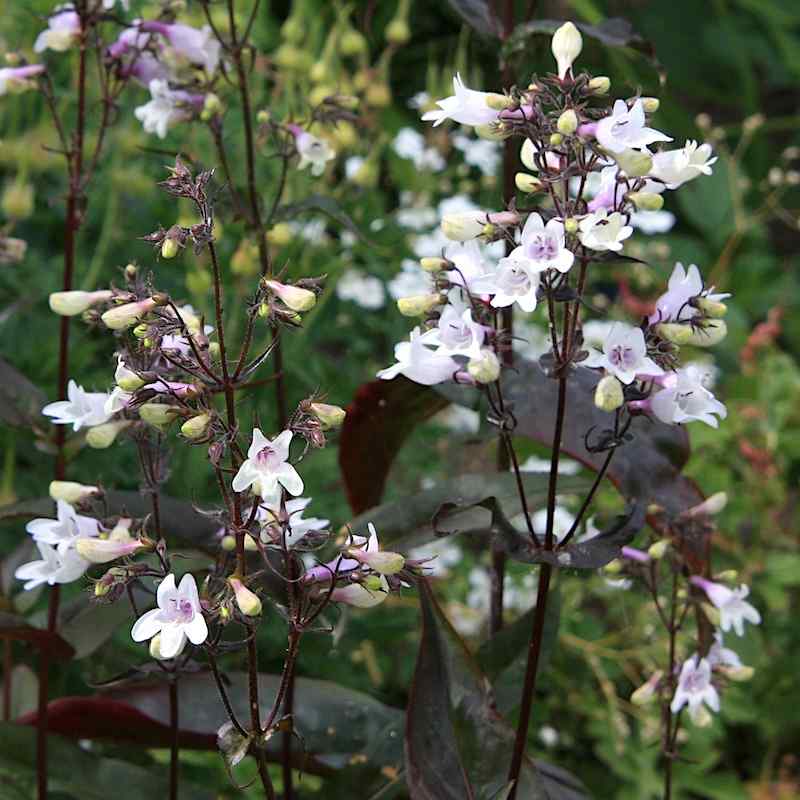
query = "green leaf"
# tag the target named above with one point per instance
(457, 745)
(478, 15)
(708, 203)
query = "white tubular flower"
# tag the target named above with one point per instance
(419, 363)
(68, 304)
(510, 282)
(465, 106)
(684, 284)
(542, 246)
(362, 595)
(457, 334)
(18, 79)
(624, 354)
(528, 153)
(625, 128)
(676, 167)
(178, 617)
(313, 152)
(684, 398)
(62, 32)
(695, 688)
(117, 400)
(369, 553)
(267, 468)
(166, 108)
(566, 46)
(468, 262)
(56, 566)
(734, 610)
(602, 231)
(81, 410)
(65, 529)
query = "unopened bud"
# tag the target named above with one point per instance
(556, 139)
(382, 562)
(196, 427)
(646, 201)
(634, 163)
(127, 379)
(566, 46)
(708, 333)
(228, 543)
(613, 567)
(675, 333)
(293, 297)
(658, 549)
(701, 717)
(398, 32)
(599, 85)
(124, 316)
(434, 264)
(485, 369)
(169, 248)
(650, 104)
(157, 414)
(567, 122)
(710, 506)
(494, 132)
(418, 304)
(712, 612)
(330, 416)
(737, 674)
(69, 304)
(571, 225)
(17, 202)
(465, 226)
(101, 551)
(498, 102)
(711, 308)
(102, 436)
(371, 593)
(141, 331)
(248, 602)
(527, 183)
(71, 492)
(646, 693)
(608, 395)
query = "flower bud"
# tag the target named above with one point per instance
(141, 331)
(710, 506)
(673, 332)
(701, 718)
(658, 549)
(157, 414)
(330, 416)
(127, 379)
(599, 85)
(383, 562)
(102, 436)
(613, 567)
(566, 46)
(646, 693)
(434, 264)
(571, 225)
(398, 32)
(737, 674)
(352, 43)
(69, 304)
(712, 612)
(556, 139)
(169, 248)
(248, 602)
(608, 395)
(71, 492)
(498, 102)
(711, 308)
(567, 122)
(378, 95)
(196, 427)
(292, 296)
(646, 201)
(17, 201)
(367, 595)
(228, 543)
(418, 304)
(634, 163)
(708, 333)
(280, 235)
(121, 317)
(464, 226)
(650, 104)
(527, 183)
(101, 551)
(494, 132)
(485, 369)
(727, 576)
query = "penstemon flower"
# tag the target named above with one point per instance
(542, 246)
(18, 79)
(178, 618)
(695, 689)
(624, 354)
(62, 32)
(466, 106)
(314, 153)
(733, 609)
(683, 397)
(81, 410)
(685, 286)
(266, 468)
(676, 167)
(625, 128)
(167, 108)
(419, 363)
(602, 231)
(57, 565)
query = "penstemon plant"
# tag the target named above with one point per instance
(591, 165)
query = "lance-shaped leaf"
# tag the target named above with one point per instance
(457, 745)
(478, 14)
(381, 416)
(337, 726)
(79, 774)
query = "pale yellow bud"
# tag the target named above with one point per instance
(711, 308)
(101, 551)
(71, 492)
(634, 163)
(330, 416)
(674, 332)
(17, 202)
(646, 693)
(599, 85)
(280, 235)
(228, 543)
(434, 264)
(566, 46)
(485, 369)
(498, 102)
(69, 304)
(155, 648)
(398, 32)
(157, 414)
(169, 248)
(646, 201)
(556, 139)
(567, 122)
(658, 549)
(527, 183)
(650, 104)
(196, 427)
(608, 394)
(613, 567)
(248, 602)
(102, 436)
(293, 297)
(418, 304)
(708, 333)
(737, 674)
